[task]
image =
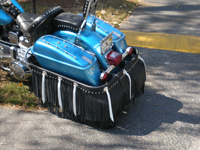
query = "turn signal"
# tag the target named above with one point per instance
(130, 51)
(104, 76)
(114, 58)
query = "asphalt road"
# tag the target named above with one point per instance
(166, 117)
(166, 16)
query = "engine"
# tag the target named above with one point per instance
(14, 54)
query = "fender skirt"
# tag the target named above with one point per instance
(97, 106)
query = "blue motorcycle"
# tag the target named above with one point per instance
(81, 66)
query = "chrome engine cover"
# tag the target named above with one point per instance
(13, 60)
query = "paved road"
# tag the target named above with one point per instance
(166, 117)
(172, 99)
(166, 16)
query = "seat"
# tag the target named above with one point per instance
(34, 26)
(24, 21)
(68, 21)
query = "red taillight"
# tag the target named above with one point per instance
(130, 51)
(114, 58)
(104, 76)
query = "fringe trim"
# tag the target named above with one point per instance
(95, 106)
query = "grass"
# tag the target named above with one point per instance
(16, 93)
(115, 11)
(20, 95)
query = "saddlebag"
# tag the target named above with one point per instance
(67, 59)
(97, 106)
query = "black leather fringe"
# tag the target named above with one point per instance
(91, 102)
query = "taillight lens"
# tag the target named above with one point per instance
(114, 58)
(130, 51)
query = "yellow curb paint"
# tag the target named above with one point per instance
(173, 42)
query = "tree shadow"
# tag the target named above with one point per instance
(177, 17)
(151, 112)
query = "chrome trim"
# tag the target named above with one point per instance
(5, 68)
(73, 45)
(102, 28)
(60, 49)
(13, 37)
(88, 10)
(126, 52)
(81, 28)
(110, 68)
(91, 53)
(119, 36)
(5, 53)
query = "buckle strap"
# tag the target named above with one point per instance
(109, 103)
(129, 77)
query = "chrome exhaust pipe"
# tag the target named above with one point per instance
(5, 56)
(20, 71)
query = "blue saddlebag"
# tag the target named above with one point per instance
(64, 58)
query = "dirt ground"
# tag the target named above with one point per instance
(62, 3)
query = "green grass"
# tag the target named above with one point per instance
(13, 92)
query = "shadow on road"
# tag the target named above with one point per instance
(150, 113)
(175, 18)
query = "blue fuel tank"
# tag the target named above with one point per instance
(65, 58)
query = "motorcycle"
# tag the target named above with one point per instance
(81, 66)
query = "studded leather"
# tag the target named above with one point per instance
(68, 21)
(35, 26)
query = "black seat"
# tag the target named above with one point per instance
(68, 21)
(34, 26)
(24, 21)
